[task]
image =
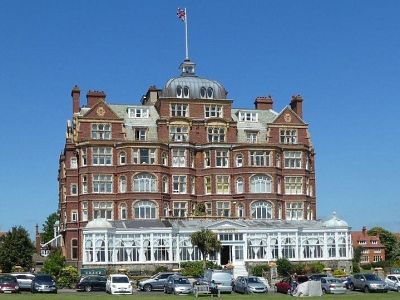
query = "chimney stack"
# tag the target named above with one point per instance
(297, 105)
(95, 96)
(75, 93)
(263, 103)
(364, 230)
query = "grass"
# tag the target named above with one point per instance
(156, 296)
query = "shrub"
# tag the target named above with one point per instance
(284, 266)
(68, 277)
(339, 273)
(258, 270)
(195, 268)
(316, 267)
(356, 268)
(366, 267)
(160, 269)
(300, 269)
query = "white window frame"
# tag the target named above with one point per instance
(179, 133)
(252, 137)
(262, 210)
(213, 111)
(122, 158)
(239, 185)
(245, 116)
(74, 189)
(74, 216)
(293, 185)
(84, 211)
(102, 183)
(179, 184)
(101, 131)
(180, 209)
(294, 211)
(102, 156)
(84, 184)
(103, 210)
(216, 134)
(288, 136)
(260, 183)
(207, 185)
(223, 209)
(260, 158)
(123, 209)
(222, 158)
(140, 133)
(293, 159)
(122, 184)
(138, 113)
(207, 159)
(179, 157)
(144, 182)
(222, 184)
(145, 209)
(179, 110)
(73, 163)
(139, 157)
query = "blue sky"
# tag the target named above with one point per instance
(343, 57)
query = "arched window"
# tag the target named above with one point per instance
(240, 211)
(166, 209)
(239, 185)
(239, 160)
(260, 184)
(185, 92)
(179, 92)
(145, 210)
(261, 210)
(122, 211)
(100, 251)
(110, 251)
(210, 93)
(89, 251)
(288, 248)
(147, 250)
(274, 248)
(122, 255)
(165, 188)
(122, 158)
(342, 247)
(203, 92)
(331, 247)
(122, 184)
(144, 182)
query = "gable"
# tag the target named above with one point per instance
(225, 224)
(101, 111)
(289, 117)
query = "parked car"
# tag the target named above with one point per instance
(8, 284)
(317, 276)
(332, 285)
(393, 282)
(368, 282)
(91, 283)
(24, 280)
(156, 282)
(219, 280)
(250, 284)
(118, 284)
(43, 283)
(177, 284)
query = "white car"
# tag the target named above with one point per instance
(393, 282)
(118, 284)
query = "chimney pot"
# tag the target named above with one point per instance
(264, 103)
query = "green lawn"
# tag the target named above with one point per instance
(157, 296)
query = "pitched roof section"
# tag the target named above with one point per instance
(289, 117)
(100, 110)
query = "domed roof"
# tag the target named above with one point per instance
(99, 223)
(335, 222)
(190, 86)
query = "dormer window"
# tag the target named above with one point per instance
(203, 92)
(210, 93)
(185, 92)
(138, 113)
(248, 116)
(179, 92)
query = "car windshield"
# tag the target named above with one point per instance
(7, 279)
(42, 278)
(253, 280)
(120, 279)
(372, 277)
(181, 281)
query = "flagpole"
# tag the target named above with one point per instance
(186, 37)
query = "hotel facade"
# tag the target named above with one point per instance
(135, 180)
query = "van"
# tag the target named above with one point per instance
(219, 280)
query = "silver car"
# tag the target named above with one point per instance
(368, 282)
(24, 280)
(393, 282)
(250, 284)
(332, 285)
(177, 284)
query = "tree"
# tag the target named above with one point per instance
(54, 263)
(206, 241)
(16, 249)
(48, 227)
(389, 240)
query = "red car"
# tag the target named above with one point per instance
(287, 285)
(8, 284)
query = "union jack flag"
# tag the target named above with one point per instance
(181, 14)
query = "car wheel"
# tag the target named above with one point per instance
(352, 287)
(398, 289)
(88, 288)
(366, 289)
(323, 291)
(147, 288)
(288, 292)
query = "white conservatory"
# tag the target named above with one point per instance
(167, 242)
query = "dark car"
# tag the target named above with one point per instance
(91, 283)
(43, 283)
(8, 284)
